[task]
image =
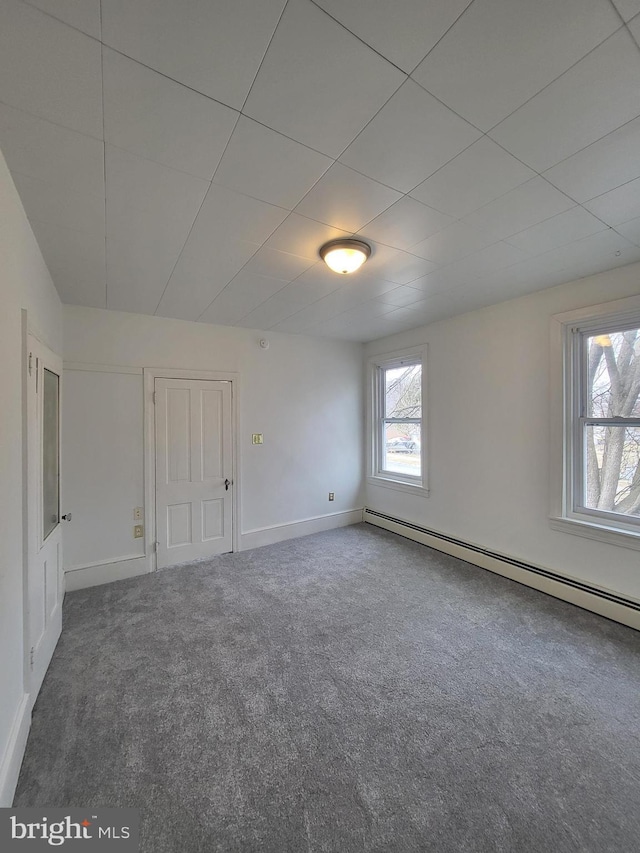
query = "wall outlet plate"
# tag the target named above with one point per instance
(138, 513)
(138, 531)
(332, 496)
(257, 438)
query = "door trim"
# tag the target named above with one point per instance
(150, 375)
(34, 669)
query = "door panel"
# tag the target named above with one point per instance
(193, 461)
(43, 621)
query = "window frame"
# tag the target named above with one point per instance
(377, 474)
(569, 419)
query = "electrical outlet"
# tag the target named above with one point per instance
(332, 496)
(257, 438)
(138, 531)
(137, 513)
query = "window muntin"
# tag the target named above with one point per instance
(398, 427)
(606, 423)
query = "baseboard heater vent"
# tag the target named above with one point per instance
(600, 601)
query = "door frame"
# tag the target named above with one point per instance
(30, 503)
(150, 374)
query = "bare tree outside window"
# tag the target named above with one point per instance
(402, 419)
(612, 450)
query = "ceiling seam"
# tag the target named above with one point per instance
(359, 38)
(264, 55)
(555, 79)
(444, 35)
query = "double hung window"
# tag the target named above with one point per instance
(398, 452)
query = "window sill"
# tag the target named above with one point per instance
(599, 532)
(416, 489)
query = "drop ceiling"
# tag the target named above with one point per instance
(188, 159)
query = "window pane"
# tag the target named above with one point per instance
(612, 469)
(50, 457)
(403, 391)
(613, 375)
(402, 449)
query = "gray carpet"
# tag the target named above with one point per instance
(349, 691)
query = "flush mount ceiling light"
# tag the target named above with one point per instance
(345, 256)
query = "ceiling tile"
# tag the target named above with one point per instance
(454, 241)
(475, 177)
(346, 199)
(634, 26)
(403, 268)
(150, 210)
(597, 95)
(134, 183)
(265, 316)
(630, 230)
(501, 52)
(197, 280)
(82, 14)
(518, 209)
(136, 277)
(601, 166)
(439, 282)
(49, 69)
(146, 198)
(300, 301)
(277, 264)
(405, 223)
(227, 217)
(303, 236)
(557, 231)
(158, 119)
(76, 262)
(49, 203)
(619, 205)
(592, 255)
(486, 260)
(401, 296)
(319, 281)
(267, 165)
(214, 48)
(63, 158)
(403, 31)
(244, 293)
(627, 8)
(318, 83)
(392, 148)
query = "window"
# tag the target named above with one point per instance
(397, 446)
(602, 423)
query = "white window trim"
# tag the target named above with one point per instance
(563, 391)
(388, 480)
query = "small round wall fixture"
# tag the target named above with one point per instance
(345, 256)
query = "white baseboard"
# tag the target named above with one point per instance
(14, 752)
(601, 601)
(281, 532)
(94, 575)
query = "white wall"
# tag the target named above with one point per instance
(489, 425)
(304, 394)
(102, 453)
(24, 283)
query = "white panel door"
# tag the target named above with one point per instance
(43, 621)
(193, 469)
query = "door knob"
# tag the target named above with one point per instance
(227, 483)
(66, 517)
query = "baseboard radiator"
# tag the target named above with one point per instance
(601, 601)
